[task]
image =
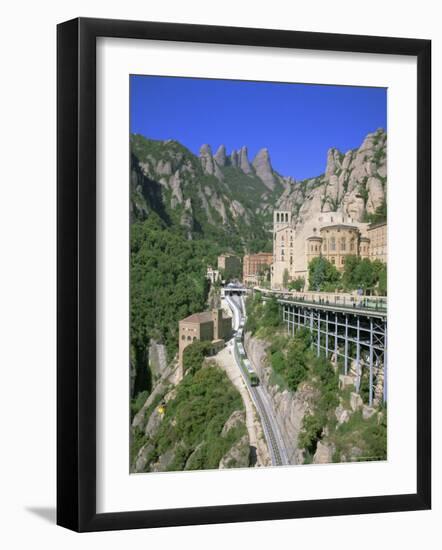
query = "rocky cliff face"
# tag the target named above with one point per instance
(353, 183)
(230, 192)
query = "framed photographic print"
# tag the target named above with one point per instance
(243, 274)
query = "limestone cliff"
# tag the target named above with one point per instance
(353, 183)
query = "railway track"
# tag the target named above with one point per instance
(274, 441)
(271, 438)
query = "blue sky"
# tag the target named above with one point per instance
(298, 123)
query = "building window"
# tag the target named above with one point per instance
(332, 259)
(183, 337)
(342, 260)
(332, 244)
(189, 337)
(352, 245)
(343, 243)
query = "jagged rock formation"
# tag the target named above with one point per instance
(244, 160)
(353, 183)
(263, 168)
(230, 191)
(207, 159)
(220, 156)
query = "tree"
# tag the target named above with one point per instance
(365, 275)
(348, 277)
(297, 284)
(285, 278)
(271, 316)
(194, 355)
(323, 275)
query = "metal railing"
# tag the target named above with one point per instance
(344, 300)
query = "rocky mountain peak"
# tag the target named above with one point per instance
(263, 168)
(207, 159)
(244, 160)
(333, 162)
(234, 159)
(220, 156)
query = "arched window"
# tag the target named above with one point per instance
(183, 337)
(343, 244)
(332, 244)
(352, 244)
(277, 216)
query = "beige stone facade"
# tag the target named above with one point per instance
(253, 266)
(377, 234)
(332, 235)
(339, 241)
(207, 326)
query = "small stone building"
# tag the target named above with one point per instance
(207, 326)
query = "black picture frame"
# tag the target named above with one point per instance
(77, 287)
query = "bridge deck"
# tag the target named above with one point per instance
(354, 309)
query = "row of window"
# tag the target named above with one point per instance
(282, 217)
(333, 260)
(189, 338)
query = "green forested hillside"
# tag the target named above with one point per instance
(203, 421)
(168, 179)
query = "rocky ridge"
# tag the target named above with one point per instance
(229, 191)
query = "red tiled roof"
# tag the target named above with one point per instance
(202, 317)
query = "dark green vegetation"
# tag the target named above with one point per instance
(194, 355)
(262, 317)
(370, 276)
(289, 359)
(191, 429)
(297, 284)
(323, 275)
(167, 276)
(296, 367)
